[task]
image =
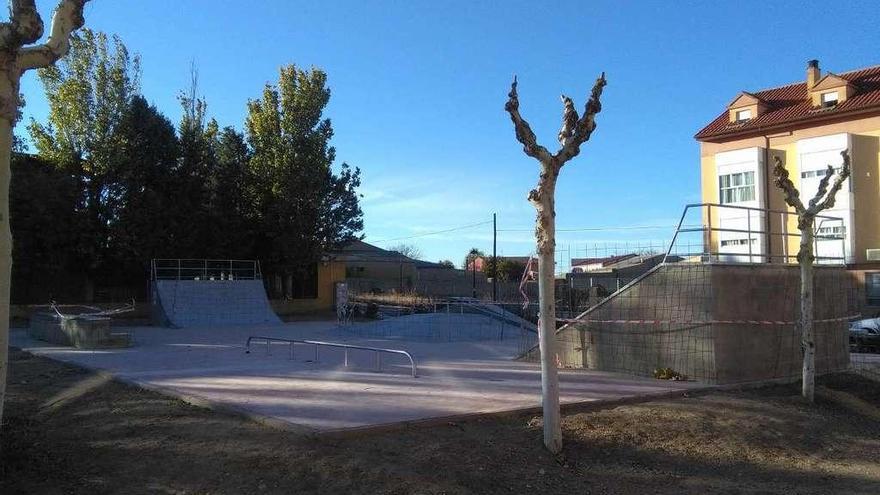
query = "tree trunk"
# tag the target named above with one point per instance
(808, 344)
(544, 200)
(25, 27)
(5, 252)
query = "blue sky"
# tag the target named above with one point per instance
(419, 90)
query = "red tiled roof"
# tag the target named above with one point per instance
(789, 106)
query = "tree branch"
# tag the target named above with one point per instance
(25, 24)
(585, 125)
(569, 120)
(823, 186)
(524, 133)
(828, 202)
(791, 194)
(67, 18)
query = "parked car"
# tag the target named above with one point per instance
(864, 335)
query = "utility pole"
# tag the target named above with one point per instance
(494, 257)
(474, 264)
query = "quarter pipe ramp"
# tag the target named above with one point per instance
(198, 303)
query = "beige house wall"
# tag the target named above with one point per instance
(865, 160)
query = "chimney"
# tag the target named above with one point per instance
(813, 74)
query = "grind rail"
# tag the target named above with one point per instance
(347, 347)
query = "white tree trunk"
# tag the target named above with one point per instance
(808, 344)
(575, 131)
(546, 230)
(823, 199)
(25, 27)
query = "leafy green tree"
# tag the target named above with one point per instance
(505, 270)
(229, 206)
(42, 206)
(89, 92)
(301, 206)
(195, 173)
(446, 264)
(149, 218)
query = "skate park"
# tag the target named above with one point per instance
(283, 378)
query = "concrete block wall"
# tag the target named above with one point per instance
(674, 300)
(88, 332)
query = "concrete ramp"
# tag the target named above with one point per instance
(199, 303)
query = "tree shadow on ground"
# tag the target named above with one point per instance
(115, 438)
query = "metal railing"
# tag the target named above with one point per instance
(346, 347)
(711, 231)
(204, 269)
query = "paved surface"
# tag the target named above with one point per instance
(192, 303)
(454, 378)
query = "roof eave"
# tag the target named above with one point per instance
(719, 137)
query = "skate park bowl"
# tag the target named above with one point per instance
(452, 320)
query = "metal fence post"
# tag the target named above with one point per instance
(749, 228)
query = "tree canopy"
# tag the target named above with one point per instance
(301, 206)
(130, 186)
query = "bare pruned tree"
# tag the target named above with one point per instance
(823, 200)
(17, 55)
(575, 131)
(409, 250)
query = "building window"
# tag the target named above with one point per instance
(817, 173)
(837, 232)
(354, 271)
(872, 288)
(829, 99)
(737, 242)
(305, 283)
(738, 187)
(743, 115)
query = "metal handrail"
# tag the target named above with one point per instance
(786, 256)
(317, 343)
(204, 269)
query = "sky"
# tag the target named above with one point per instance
(418, 93)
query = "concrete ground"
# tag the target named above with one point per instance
(209, 365)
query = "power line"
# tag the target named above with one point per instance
(453, 229)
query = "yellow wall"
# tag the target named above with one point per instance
(865, 176)
(328, 274)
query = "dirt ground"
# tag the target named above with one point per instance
(68, 430)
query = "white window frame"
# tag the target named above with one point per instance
(743, 115)
(829, 99)
(738, 187)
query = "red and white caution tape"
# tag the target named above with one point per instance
(703, 322)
